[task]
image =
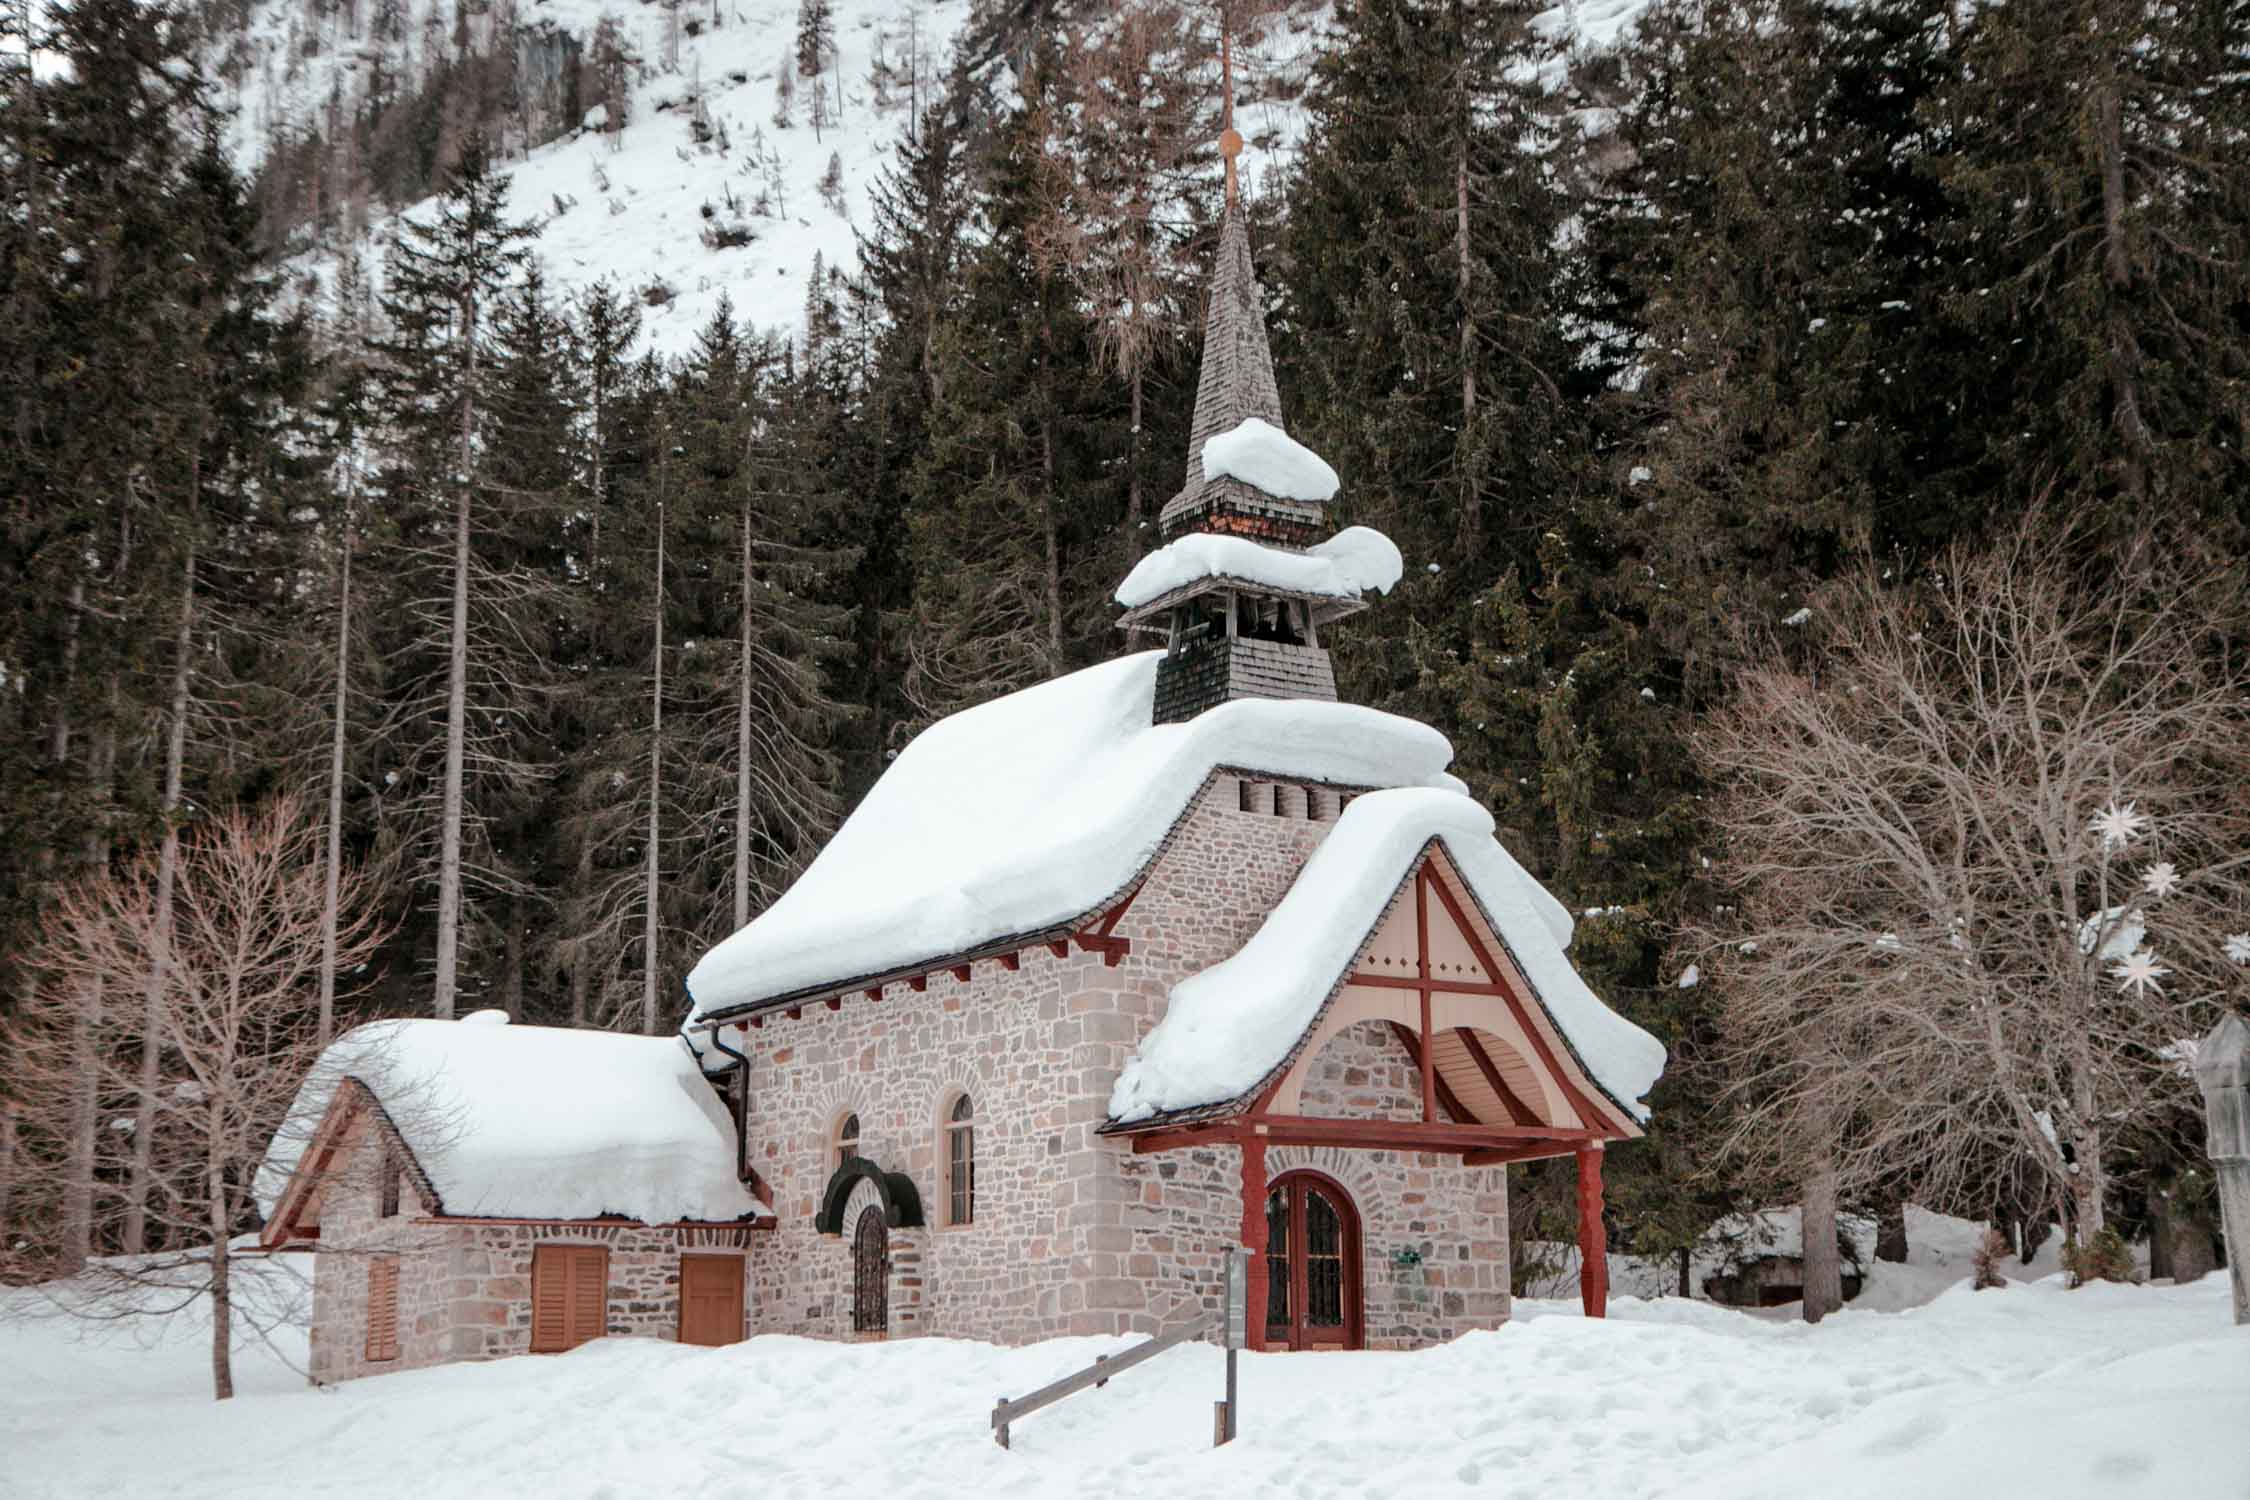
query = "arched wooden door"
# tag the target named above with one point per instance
(871, 1273)
(1312, 1264)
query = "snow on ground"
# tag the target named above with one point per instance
(2097, 1394)
(1939, 1253)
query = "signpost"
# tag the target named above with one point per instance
(1237, 1321)
(2222, 1071)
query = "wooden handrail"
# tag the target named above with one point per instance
(1007, 1410)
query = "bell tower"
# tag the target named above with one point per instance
(1243, 583)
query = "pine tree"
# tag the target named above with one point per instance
(2099, 220)
(816, 36)
(442, 293)
(1013, 485)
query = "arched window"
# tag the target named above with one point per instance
(847, 1140)
(960, 1158)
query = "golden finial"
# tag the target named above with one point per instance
(1230, 139)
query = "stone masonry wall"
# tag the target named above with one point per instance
(1038, 1050)
(464, 1289)
(1075, 1234)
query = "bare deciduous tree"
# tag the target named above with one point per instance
(239, 1011)
(1988, 832)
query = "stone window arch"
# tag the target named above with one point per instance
(957, 1159)
(844, 1138)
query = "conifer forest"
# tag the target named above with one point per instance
(1817, 431)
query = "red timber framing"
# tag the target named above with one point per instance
(1568, 1120)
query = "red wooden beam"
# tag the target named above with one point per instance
(1593, 1240)
(1172, 1137)
(1461, 1113)
(1508, 1155)
(1254, 1238)
(835, 1002)
(1059, 947)
(1439, 984)
(1422, 967)
(1369, 1135)
(1011, 961)
(796, 1012)
(758, 1022)
(1408, 1135)
(875, 993)
(1518, 1111)
(919, 983)
(961, 972)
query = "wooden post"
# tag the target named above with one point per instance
(1254, 1238)
(2222, 1071)
(1593, 1241)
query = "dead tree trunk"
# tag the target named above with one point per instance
(1890, 1231)
(85, 1120)
(456, 696)
(745, 671)
(340, 703)
(456, 753)
(1824, 1275)
(222, 1292)
(649, 922)
(167, 876)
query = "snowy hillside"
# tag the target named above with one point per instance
(2100, 1394)
(702, 193)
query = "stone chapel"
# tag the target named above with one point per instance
(1101, 980)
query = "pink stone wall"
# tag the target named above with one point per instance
(1075, 1234)
(464, 1290)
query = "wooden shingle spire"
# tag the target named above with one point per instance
(1236, 381)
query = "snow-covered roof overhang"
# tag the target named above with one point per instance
(1229, 1031)
(527, 1122)
(1349, 565)
(1018, 819)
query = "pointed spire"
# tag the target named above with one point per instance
(1236, 381)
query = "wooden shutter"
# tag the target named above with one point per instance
(382, 1307)
(569, 1296)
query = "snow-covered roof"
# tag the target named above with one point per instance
(1028, 813)
(1259, 453)
(533, 1122)
(1345, 566)
(1227, 1028)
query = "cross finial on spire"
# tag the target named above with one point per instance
(1230, 140)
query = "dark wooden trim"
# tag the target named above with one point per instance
(1441, 986)
(1427, 1058)
(497, 1222)
(1011, 961)
(1371, 1135)
(834, 1002)
(1518, 1111)
(1509, 1155)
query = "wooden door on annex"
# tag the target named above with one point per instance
(569, 1296)
(710, 1299)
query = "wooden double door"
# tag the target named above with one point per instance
(1313, 1291)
